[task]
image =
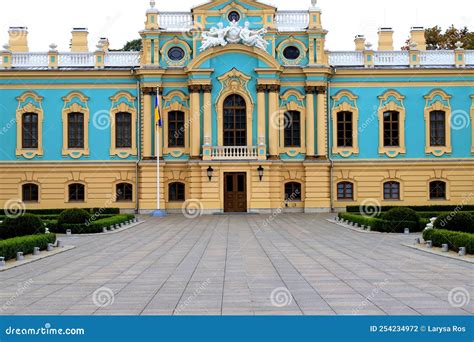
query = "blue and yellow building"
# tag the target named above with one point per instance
(245, 128)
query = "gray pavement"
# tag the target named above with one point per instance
(292, 264)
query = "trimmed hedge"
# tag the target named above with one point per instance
(456, 222)
(23, 225)
(401, 214)
(25, 244)
(455, 240)
(93, 227)
(427, 208)
(383, 226)
(73, 216)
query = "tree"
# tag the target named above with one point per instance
(437, 40)
(133, 45)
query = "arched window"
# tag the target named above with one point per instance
(292, 129)
(77, 192)
(438, 190)
(176, 192)
(75, 122)
(123, 130)
(30, 193)
(124, 192)
(29, 130)
(391, 190)
(345, 191)
(235, 121)
(344, 129)
(176, 133)
(391, 129)
(438, 128)
(292, 192)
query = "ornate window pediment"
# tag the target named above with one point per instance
(29, 102)
(75, 102)
(438, 100)
(392, 101)
(345, 101)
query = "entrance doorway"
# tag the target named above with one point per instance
(235, 192)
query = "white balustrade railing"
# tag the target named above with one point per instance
(76, 59)
(346, 58)
(437, 57)
(292, 20)
(234, 153)
(469, 57)
(391, 58)
(122, 59)
(176, 21)
(29, 60)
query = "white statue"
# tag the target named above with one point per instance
(253, 38)
(233, 34)
(215, 37)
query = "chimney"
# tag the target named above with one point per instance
(418, 37)
(18, 39)
(359, 42)
(79, 41)
(385, 39)
(105, 43)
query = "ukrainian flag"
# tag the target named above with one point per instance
(158, 118)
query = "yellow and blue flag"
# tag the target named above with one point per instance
(158, 118)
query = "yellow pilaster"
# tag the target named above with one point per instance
(195, 121)
(274, 120)
(207, 106)
(310, 146)
(6, 59)
(322, 122)
(147, 122)
(262, 132)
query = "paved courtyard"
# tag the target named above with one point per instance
(239, 265)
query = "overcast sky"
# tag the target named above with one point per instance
(120, 20)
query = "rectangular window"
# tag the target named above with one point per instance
(344, 129)
(176, 129)
(75, 130)
(292, 129)
(123, 130)
(30, 130)
(345, 191)
(391, 191)
(438, 128)
(391, 129)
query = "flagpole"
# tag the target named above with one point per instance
(158, 124)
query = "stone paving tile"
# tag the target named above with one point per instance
(232, 265)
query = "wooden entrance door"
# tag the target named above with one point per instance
(235, 193)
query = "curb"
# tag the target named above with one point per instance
(437, 251)
(108, 232)
(30, 258)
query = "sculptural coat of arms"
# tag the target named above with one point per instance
(234, 34)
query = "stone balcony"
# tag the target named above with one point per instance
(234, 153)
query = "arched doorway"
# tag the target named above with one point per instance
(235, 121)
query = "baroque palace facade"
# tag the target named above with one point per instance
(256, 115)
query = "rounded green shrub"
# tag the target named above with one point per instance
(401, 214)
(456, 222)
(26, 224)
(73, 216)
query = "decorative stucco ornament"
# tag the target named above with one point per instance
(233, 34)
